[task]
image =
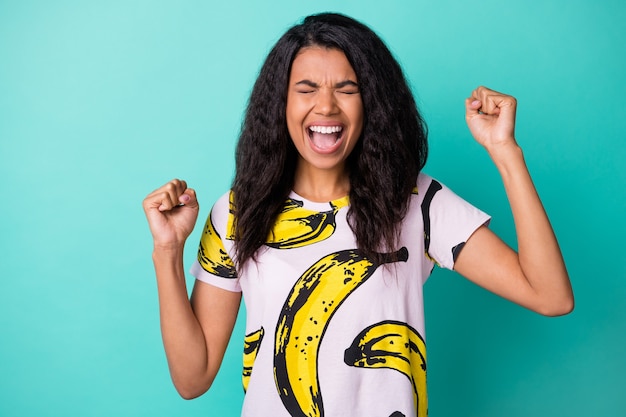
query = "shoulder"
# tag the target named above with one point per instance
(425, 188)
(224, 201)
(424, 182)
(433, 192)
(423, 179)
(223, 205)
(220, 215)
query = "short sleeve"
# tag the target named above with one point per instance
(449, 221)
(214, 264)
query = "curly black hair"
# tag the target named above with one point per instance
(384, 165)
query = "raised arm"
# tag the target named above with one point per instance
(534, 277)
(195, 333)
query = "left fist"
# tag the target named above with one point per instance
(490, 117)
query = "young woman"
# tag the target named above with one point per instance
(330, 230)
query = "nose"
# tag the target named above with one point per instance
(326, 103)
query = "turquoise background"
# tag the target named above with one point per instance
(101, 102)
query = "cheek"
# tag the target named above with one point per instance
(295, 133)
(358, 118)
(294, 113)
(356, 108)
(291, 122)
(294, 128)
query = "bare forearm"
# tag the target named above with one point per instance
(195, 332)
(535, 276)
(183, 338)
(539, 253)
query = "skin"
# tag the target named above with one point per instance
(534, 277)
(196, 331)
(323, 91)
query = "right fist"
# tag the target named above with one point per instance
(171, 211)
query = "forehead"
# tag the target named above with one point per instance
(321, 63)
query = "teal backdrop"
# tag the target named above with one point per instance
(102, 101)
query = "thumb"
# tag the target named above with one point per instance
(188, 198)
(472, 107)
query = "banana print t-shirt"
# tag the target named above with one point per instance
(329, 332)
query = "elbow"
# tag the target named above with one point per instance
(188, 394)
(189, 391)
(192, 381)
(556, 309)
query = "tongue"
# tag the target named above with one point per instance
(323, 140)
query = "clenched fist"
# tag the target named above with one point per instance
(171, 211)
(490, 117)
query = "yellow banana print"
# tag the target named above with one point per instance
(230, 223)
(306, 313)
(394, 345)
(297, 226)
(211, 253)
(251, 345)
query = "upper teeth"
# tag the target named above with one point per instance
(326, 129)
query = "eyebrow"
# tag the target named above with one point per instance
(340, 84)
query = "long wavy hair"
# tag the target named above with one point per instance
(384, 165)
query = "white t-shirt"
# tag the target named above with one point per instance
(329, 333)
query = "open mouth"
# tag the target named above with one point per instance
(325, 138)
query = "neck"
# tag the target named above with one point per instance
(321, 185)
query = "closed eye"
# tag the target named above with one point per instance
(306, 86)
(347, 87)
